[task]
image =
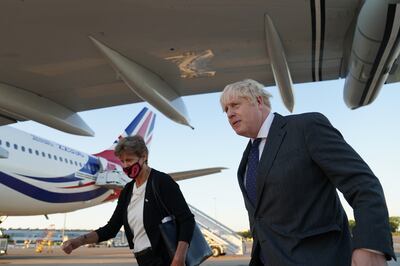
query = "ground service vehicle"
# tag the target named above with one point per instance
(3, 244)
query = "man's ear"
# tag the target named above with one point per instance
(260, 100)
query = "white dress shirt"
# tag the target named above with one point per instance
(263, 133)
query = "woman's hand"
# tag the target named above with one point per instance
(75, 243)
(72, 244)
(178, 261)
(180, 254)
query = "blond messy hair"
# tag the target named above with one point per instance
(249, 89)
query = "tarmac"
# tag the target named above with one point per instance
(105, 256)
(88, 256)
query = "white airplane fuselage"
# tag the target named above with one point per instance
(42, 177)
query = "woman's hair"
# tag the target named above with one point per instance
(132, 144)
(248, 88)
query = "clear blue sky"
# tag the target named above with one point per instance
(373, 131)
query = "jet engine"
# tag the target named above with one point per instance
(374, 50)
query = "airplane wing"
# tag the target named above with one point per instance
(178, 176)
(118, 180)
(65, 56)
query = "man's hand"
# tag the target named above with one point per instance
(362, 257)
(72, 244)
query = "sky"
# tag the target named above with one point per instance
(373, 131)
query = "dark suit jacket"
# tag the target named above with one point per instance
(298, 218)
(152, 215)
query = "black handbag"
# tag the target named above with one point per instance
(198, 250)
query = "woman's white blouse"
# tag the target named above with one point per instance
(135, 218)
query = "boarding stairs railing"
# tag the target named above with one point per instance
(218, 232)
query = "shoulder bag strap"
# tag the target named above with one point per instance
(158, 198)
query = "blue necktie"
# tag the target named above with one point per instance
(252, 164)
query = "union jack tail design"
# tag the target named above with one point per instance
(142, 125)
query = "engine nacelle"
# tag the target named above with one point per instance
(374, 50)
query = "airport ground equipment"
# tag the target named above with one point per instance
(220, 238)
(216, 247)
(46, 242)
(3, 244)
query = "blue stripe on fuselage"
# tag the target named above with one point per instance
(45, 195)
(91, 168)
(63, 179)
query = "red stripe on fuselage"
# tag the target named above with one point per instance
(84, 185)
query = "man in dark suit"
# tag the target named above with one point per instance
(288, 175)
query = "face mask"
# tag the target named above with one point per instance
(133, 170)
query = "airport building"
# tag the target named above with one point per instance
(30, 237)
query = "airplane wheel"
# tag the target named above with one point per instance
(215, 252)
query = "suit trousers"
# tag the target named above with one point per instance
(257, 259)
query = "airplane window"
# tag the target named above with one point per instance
(30, 150)
(55, 157)
(49, 155)
(43, 154)
(16, 146)
(65, 160)
(70, 161)
(22, 148)
(36, 152)
(76, 163)
(80, 164)
(8, 144)
(0, 141)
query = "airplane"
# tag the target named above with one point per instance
(65, 56)
(38, 176)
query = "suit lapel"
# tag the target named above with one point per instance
(242, 170)
(275, 137)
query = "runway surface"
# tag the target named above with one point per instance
(88, 256)
(105, 256)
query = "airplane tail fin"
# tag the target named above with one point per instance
(142, 125)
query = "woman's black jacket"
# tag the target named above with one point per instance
(173, 199)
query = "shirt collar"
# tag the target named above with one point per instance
(266, 126)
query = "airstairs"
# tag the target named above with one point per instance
(212, 229)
